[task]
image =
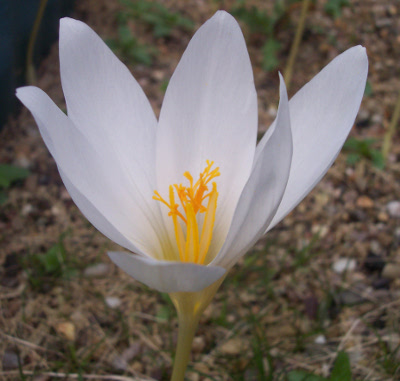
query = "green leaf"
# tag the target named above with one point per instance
(158, 17)
(270, 54)
(3, 197)
(334, 7)
(10, 173)
(358, 148)
(378, 159)
(300, 375)
(353, 158)
(341, 369)
(368, 89)
(53, 259)
(258, 21)
(164, 313)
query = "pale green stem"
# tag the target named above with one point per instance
(187, 329)
(30, 69)
(387, 140)
(296, 43)
(189, 306)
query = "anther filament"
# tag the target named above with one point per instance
(193, 199)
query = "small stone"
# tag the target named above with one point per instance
(113, 302)
(66, 330)
(137, 366)
(393, 208)
(121, 362)
(23, 161)
(391, 271)
(383, 216)
(344, 264)
(392, 10)
(320, 339)
(377, 119)
(97, 270)
(365, 202)
(272, 111)
(198, 344)
(27, 209)
(233, 346)
(10, 360)
(192, 376)
(350, 298)
(158, 74)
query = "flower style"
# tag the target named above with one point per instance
(190, 193)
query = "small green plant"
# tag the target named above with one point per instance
(368, 89)
(44, 269)
(128, 47)
(306, 253)
(341, 371)
(160, 19)
(334, 7)
(9, 174)
(264, 23)
(363, 148)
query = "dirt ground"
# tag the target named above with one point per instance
(287, 305)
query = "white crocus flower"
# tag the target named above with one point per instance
(134, 177)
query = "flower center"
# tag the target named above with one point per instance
(193, 246)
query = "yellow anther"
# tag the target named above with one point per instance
(194, 246)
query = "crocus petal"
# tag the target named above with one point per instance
(210, 113)
(166, 276)
(93, 182)
(108, 106)
(263, 191)
(322, 114)
(94, 215)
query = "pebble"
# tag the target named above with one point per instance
(391, 271)
(97, 270)
(383, 216)
(272, 111)
(320, 339)
(233, 346)
(393, 208)
(192, 376)
(350, 298)
(10, 360)
(344, 264)
(113, 302)
(377, 118)
(27, 209)
(121, 362)
(365, 202)
(66, 330)
(198, 344)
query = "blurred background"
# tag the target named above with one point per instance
(321, 289)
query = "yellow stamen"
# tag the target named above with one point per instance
(194, 246)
